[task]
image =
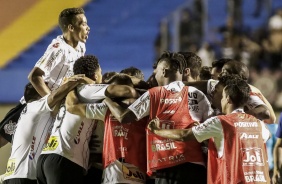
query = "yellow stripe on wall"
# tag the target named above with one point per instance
(31, 26)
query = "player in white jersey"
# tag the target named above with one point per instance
(57, 61)
(32, 132)
(66, 156)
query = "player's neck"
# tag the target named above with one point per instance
(70, 41)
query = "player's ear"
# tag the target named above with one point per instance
(187, 72)
(70, 27)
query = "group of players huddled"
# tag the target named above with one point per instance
(77, 126)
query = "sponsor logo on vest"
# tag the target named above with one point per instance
(77, 137)
(132, 173)
(11, 167)
(10, 127)
(252, 156)
(257, 176)
(32, 154)
(172, 159)
(170, 100)
(249, 136)
(163, 147)
(120, 131)
(246, 124)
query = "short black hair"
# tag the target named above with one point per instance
(205, 73)
(87, 65)
(236, 88)
(175, 60)
(120, 79)
(30, 93)
(67, 17)
(220, 63)
(238, 68)
(133, 71)
(106, 76)
(192, 61)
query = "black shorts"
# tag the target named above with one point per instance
(194, 173)
(56, 169)
(20, 181)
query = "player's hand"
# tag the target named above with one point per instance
(196, 123)
(154, 124)
(73, 78)
(276, 176)
(94, 143)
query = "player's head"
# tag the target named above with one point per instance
(217, 92)
(237, 68)
(30, 93)
(236, 92)
(217, 67)
(192, 66)
(169, 68)
(89, 66)
(106, 76)
(120, 79)
(205, 73)
(74, 22)
(132, 71)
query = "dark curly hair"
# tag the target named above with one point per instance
(236, 88)
(192, 61)
(30, 93)
(87, 65)
(67, 16)
(175, 60)
(133, 71)
(120, 79)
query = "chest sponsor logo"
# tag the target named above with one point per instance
(170, 100)
(246, 124)
(120, 131)
(52, 144)
(10, 127)
(32, 153)
(252, 157)
(11, 167)
(77, 137)
(249, 136)
(254, 176)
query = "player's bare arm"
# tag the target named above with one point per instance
(121, 91)
(123, 115)
(36, 79)
(57, 95)
(277, 160)
(267, 111)
(73, 105)
(174, 134)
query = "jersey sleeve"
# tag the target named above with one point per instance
(210, 87)
(210, 128)
(199, 106)
(265, 132)
(141, 107)
(96, 111)
(91, 93)
(254, 101)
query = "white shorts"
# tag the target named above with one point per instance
(118, 172)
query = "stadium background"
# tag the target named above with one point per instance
(123, 34)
